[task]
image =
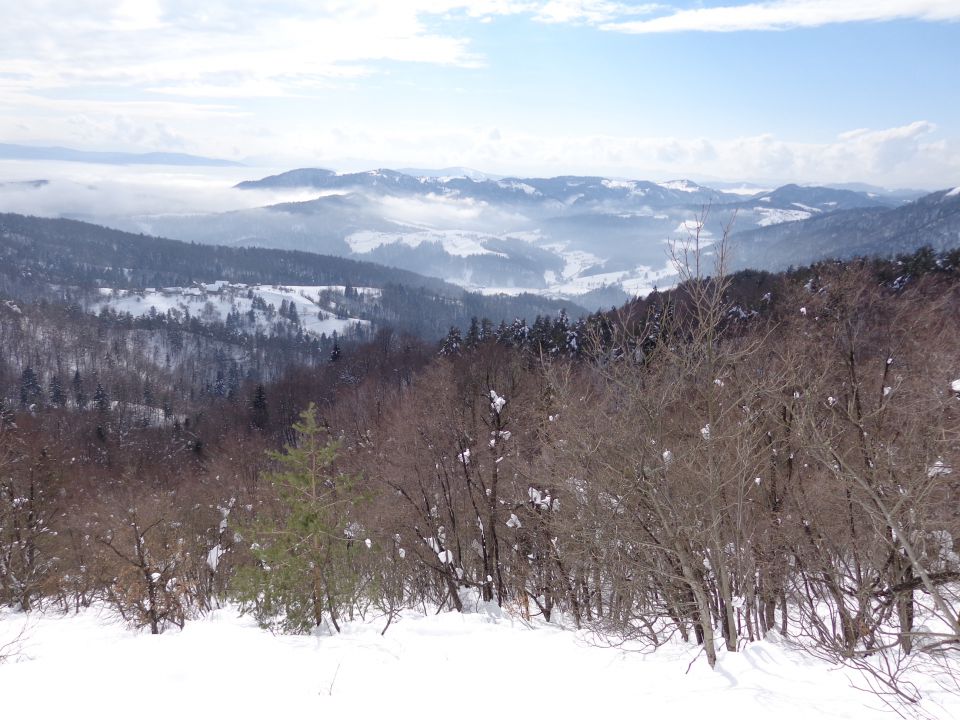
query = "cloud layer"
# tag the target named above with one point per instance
(789, 14)
(212, 78)
(914, 154)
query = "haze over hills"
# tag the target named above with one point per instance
(592, 240)
(932, 220)
(597, 240)
(10, 151)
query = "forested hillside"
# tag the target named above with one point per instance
(43, 258)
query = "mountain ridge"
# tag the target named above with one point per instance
(11, 151)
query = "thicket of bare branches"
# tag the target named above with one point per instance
(743, 455)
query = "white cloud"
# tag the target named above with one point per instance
(915, 154)
(438, 211)
(176, 74)
(909, 155)
(83, 189)
(250, 48)
(591, 11)
(788, 14)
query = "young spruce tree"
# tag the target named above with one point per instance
(302, 572)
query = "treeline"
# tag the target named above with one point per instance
(744, 454)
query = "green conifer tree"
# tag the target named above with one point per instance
(303, 571)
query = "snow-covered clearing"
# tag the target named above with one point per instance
(681, 185)
(469, 665)
(214, 301)
(453, 242)
(776, 216)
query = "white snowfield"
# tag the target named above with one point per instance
(776, 216)
(218, 299)
(476, 665)
(454, 242)
(681, 185)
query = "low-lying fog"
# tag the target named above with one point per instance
(92, 190)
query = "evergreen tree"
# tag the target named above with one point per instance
(101, 399)
(486, 330)
(303, 573)
(57, 397)
(259, 413)
(220, 385)
(452, 343)
(79, 396)
(233, 380)
(30, 390)
(473, 334)
(147, 395)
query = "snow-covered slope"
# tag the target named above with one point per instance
(465, 665)
(213, 302)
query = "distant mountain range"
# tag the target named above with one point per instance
(29, 152)
(568, 191)
(592, 240)
(932, 220)
(595, 239)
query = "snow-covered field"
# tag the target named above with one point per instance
(775, 216)
(458, 665)
(639, 282)
(460, 243)
(219, 298)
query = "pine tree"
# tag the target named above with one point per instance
(148, 398)
(57, 396)
(30, 390)
(233, 380)
(79, 396)
(259, 413)
(303, 573)
(101, 399)
(452, 343)
(220, 385)
(473, 334)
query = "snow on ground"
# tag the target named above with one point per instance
(454, 242)
(465, 665)
(214, 301)
(681, 185)
(638, 282)
(748, 190)
(630, 185)
(955, 191)
(775, 216)
(574, 261)
(687, 228)
(516, 185)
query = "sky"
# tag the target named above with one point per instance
(772, 91)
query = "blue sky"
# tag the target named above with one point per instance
(805, 90)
